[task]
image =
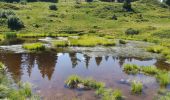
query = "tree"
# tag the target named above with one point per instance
(167, 2)
(127, 5)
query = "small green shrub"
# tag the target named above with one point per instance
(53, 7)
(131, 68)
(131, 31)
(136, 87)
(15, 23)
(34, 46)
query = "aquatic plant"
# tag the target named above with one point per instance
(109, 94)
(163, 78)
(151, 70)
(60, 43)
(131, 68)
(90, 41)
(136, 87)
(72, 81)
(34, 46)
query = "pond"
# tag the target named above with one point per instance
(48, 71)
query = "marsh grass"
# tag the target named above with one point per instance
(74, 80)
(34, 46)
(109, 94)
(155, 49)
(163, 78)
(136, 87)
(91, 41)
(131, 68)
(150, 70)
(60, 43)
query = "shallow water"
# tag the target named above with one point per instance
(48, 71)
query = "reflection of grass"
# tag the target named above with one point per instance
(34, 46)
(90, 41)
(136, 87)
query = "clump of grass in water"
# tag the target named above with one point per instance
(91, 41)
(163, 78)
(34, 46)
(60, 43)
(109, 94)
(131, 68)
(136, 87)
(74, 80)
(151, 70)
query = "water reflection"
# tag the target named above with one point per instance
(46, 63)
(49, 70)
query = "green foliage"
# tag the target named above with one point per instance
(163, 78)
(131, 31)
(14, 23)
(34, 46)
(2, 66)
(53, 7)
(131, 68)
(136, 87)
(60, 43)
(151, 70)
(90, 41)
(109, 94)
(74, 80)
(127, 5)
(155, 49)
(6, 13)
(10, 35)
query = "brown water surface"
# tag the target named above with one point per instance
(48, 71)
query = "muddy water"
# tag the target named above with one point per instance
(48, 71)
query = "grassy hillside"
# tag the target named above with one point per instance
(151, 19)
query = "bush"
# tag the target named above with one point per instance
(6, 13)
(53, 7)
(131, 31)
(14, 23)
(127, 5)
